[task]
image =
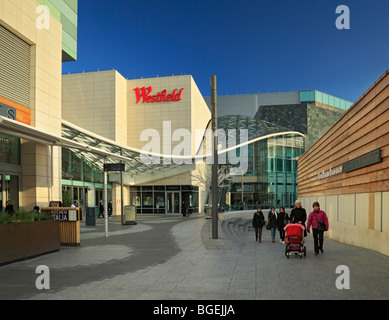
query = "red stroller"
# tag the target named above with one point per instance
(294, 240)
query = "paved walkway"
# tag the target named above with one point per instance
(171, 257)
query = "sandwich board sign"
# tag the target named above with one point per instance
(130, 214)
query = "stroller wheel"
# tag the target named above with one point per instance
(305, 252)
(301, 255)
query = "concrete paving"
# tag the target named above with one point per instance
(171, 257)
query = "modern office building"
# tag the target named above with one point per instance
(347, 172)
(33, 45)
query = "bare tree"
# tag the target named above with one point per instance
(203, 176)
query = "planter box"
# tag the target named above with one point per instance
(19, 241)
(69, 225)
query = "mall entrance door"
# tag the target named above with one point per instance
(9, 190)
(173, 202)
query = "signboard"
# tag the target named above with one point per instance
(144, 95)
(114, 167)
(329, 173)
(367, 159)
(7, 112)
(130, 215)
(15, 111)
(64, 215)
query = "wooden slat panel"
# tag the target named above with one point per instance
(364, 128)
(343, 133)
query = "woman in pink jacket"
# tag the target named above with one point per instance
(319, 222)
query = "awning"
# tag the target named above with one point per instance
(99, 150)
(94, 148)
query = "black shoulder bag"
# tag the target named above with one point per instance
(321, 225)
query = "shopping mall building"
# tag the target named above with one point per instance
(271, 179)
(57, 131)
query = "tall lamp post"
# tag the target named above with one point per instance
(215, 160)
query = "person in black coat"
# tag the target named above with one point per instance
(258, 223)
(299, 215)
(9, 208)
(110, 209)
(272, 216)
(101, 210)
(282, 221)
(183, 209)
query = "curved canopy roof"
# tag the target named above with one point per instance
(255, 128)
(99, 150)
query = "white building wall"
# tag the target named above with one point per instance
(356, 219)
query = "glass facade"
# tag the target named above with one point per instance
(9, 149)
(9, 170)
(182, 199)
(318, 98)
(80, 178)
(271, 176)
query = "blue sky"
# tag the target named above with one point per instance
(250, 45)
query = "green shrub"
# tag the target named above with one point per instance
(43, 216)
(26, 216)
(5, 217)
(66, 200)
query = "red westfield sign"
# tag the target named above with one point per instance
(144, 95)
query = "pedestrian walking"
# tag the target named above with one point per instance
(319, 221)
(101, 209)
(110, 209)
(299, 215)
(272, 217)
(258, 223)
(183, 209)
(282, 221)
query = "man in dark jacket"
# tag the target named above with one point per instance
(9, 208)
(272, 216)
(299, 215)
(258, 223)
(110, 209)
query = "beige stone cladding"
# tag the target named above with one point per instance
(96, 101)
(40, 181)
(170, 119)
(107, 104)
(151, 116)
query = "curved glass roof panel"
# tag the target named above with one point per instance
(255, 128)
